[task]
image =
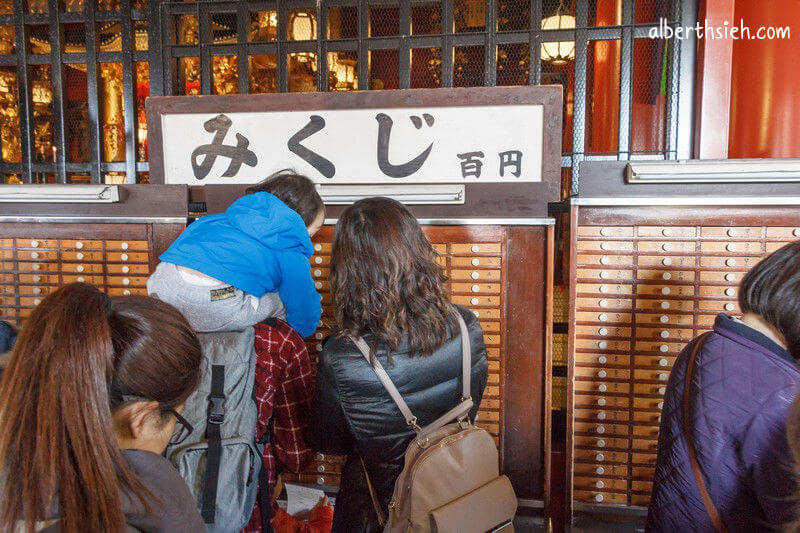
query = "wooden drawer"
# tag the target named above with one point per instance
(7, 289)
(602, 374)
(491, 248)
(600, 443)
(6, 243)
(604, 288)
(30, 301)
(603, 317)
(647, 417)
(718, 306)
(605, 246)
(665, 319)
(660, 261)
(125, 281)
(485, 416)
(601, 360)
(790, 233)
(6, 254)
(604, 303)
(774, 246)
(320, 260)
(664, 334)
(119, 291)
(491, 340)
(645, 374)
(82, 256)
(600, 415)
(609, 275)
(323, 286)
(732, 232)
(643, 458)
(614, 498)
(609, 402)
(136, 246)
(488, 314)
(476, 288)
(82, 268)
(324, 247)
(610, 345)
(439, 247)
(83, 278)
(142, 270)
(732, 278)
(37, 255)
(127, 257)
(37, 290)
(610, 261)
(593, 469)
(600, 483)
(718, 291)
(475, 275)
(487, 326)
(482, 262)
(667, 231)
(659, 347)
(642, 486)
(645, 431)
(645, 445)
(731, 263)
(654, 361)
(660, 289)
(38, 267)
(652, 404)
(662, 276)
(649, 389)
(658, 304)
(605, 231)
(8, 300)
(730, 247)
(603, 387)
(640, 500)
(601, 456)
(705, 322)
(477, 300)
(320, 272)
(81, 244)
(603, 331)
(667, 247)
(36, 243)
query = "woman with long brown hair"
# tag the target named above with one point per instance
(389, 289)
(88, 401)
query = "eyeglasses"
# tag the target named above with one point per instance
(182, 428)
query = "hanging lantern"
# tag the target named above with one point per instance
(302, 26)
(559, 52)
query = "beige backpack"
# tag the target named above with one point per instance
(451, 480)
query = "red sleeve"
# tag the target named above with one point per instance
(294, 391)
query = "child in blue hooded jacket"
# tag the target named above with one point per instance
(228, 271)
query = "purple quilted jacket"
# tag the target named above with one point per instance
(742, 388)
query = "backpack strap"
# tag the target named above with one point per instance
(711, 509)
(216, 414)
(458, 412)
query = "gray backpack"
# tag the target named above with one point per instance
(221, 460)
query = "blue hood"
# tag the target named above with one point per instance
(244, 246)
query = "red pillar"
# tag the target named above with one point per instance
(765, 95)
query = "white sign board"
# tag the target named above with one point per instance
(458, 144)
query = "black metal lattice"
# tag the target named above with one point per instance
(209, 47)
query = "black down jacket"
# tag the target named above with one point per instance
(353, 414)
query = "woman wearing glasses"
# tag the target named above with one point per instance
(89, 400)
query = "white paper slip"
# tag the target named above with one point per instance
(300, 500)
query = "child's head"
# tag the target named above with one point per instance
(299, 193)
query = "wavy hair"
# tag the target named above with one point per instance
(385, 279)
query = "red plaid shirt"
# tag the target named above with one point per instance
(284, 389)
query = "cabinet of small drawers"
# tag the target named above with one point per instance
(46, 257)
(641, 292)
(476, 271)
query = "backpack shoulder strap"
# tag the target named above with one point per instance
(457, 412)
(711, 509)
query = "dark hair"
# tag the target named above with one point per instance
(78, 350)
(295, 190)
(385, 279)
(771, 289)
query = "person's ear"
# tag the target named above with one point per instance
(139, 419)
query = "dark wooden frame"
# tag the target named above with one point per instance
(547, 96)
